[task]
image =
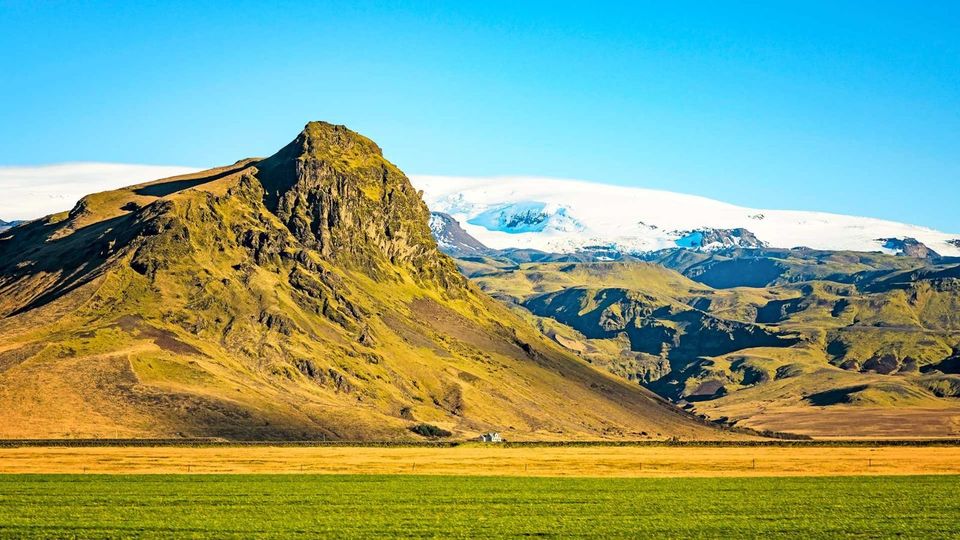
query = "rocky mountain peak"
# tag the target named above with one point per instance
(299, 296)
(711, 239)
(323, 140)
(909, 247)
(336, 193)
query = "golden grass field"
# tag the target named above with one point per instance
(477, 460)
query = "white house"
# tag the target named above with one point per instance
(493, 436)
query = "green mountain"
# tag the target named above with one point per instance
(299, 296)
(819, 343)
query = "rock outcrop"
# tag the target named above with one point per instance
(908, 247)
(717, 239)
(451, 237)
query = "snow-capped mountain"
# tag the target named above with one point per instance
(566, 215)
(451, 237)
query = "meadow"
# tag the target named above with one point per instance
(266, 506)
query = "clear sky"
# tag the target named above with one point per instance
(846, 107)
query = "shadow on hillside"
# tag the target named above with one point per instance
(949, 365)
(33, 253)
(30, 256)
(168, 188)
(835, 397)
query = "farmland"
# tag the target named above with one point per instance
(219, 506)
(795, 489)
(494, 460)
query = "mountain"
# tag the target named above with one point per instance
(4, 225)
(827, 344)
(911, 247)
(451, 238)
(716, 239)
(564, 216)
(300, 296)
(762, 267)
(816, 342)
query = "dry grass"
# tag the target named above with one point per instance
(850, 422)
(477, 460)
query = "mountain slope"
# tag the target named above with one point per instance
(817, 352)
(299, 296)
(565, 216)
(769, 266)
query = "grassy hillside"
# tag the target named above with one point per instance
(761, 267)
(297, 297)
(883, 339)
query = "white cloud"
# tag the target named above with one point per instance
(34, 192)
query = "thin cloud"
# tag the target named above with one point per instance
(34, 192)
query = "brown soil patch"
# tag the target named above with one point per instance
(164, 339)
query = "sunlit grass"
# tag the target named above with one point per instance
(391, 506)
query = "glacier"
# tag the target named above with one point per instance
(563, 216)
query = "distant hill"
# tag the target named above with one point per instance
(4, 225)
(815, 342)
(452, 238)
(299, 296)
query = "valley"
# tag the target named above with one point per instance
(818, 343)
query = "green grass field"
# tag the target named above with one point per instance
(203, 506)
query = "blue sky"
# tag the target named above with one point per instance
(845, 107)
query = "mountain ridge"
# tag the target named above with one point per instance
(299, 296)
